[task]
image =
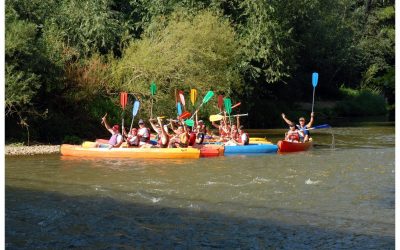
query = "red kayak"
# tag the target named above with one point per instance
(209, 150)
(287, 146)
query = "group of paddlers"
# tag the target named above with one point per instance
(182, 136)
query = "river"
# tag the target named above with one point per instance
(339, 196)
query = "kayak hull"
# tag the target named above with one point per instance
(251, 149)
(211, 150)
(143, 153)
(286, 146)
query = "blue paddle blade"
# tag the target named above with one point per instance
(179, 108)
(135, 109)
(321, 126)
(315, 79)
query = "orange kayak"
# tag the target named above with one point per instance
(287, 146)
(150, 153)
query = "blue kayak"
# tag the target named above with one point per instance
(251, 149)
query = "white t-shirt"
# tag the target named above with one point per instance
(144, 132)
(244, 137)
(133, 140)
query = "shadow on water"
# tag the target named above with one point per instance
(50, 220)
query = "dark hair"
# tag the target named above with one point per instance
(291, 125)
(241, 127)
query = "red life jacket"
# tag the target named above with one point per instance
(293, 136)
(192, 138)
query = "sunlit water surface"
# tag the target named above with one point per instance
(329, 197)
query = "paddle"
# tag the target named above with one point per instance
(220, 102)
(193, 96)
(153, 89)
(214, 118)
(234, 106)
(182, 98)
(179, 108)
(123, 98)
(318, 127)
(206, 98)
(185, 115)
(314, 83)
(135, 110)
(228, 108)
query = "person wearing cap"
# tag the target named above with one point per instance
(200, 130)
(116, 139)
(294, 134)
(143, 133)
(302, 126)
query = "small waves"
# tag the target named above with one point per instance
(310, 182)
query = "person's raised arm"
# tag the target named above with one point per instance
(153, 125)
(286, 119)
(309, 125)
(163, 132)
(106, 124)
(237, 121)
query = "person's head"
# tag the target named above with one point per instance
(234, 127)
(292, 126)
(115, 128)
(201, 123)
(241, 129)
(302, 121)
(134, 131)
(141, 123)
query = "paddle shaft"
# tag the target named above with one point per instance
(312, 107)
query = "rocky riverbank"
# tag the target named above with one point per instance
(32, 150)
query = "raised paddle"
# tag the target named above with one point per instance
(153, 89)
(193, 96)
(185, 115)
(206, 98)
(182, 98)
(135, 110)
(234, 106)
(123, 98)
(179, 108)
(314, 83)
(318, 127)
(214, 118)
(228, 107)
(220, 102)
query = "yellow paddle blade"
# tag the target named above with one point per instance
(214, 118)
(193, 95)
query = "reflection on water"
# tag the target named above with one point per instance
(323, 198)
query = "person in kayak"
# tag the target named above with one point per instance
(201, 131)
(162, 132)
(243, 138)
(143, 133)
(181, 138)
(132, 138)
(302, 126)
(294, 134)
(116, 139)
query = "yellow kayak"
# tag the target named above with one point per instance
(150, 153)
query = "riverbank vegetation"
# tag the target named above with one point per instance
(67, 61)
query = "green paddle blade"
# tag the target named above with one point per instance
(208, 96)
(189, 122)
(153, 88)
(228, 105)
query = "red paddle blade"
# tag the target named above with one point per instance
(220, 101)
(185, 115)
(182, 98)
(123, 98)
(236, 105)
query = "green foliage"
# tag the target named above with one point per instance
(72, 139)
(362, 102)
(180, 52)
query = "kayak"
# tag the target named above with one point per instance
(149, 153)
(210, 150)
(286, 146)
(251, 149)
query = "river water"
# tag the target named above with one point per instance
(340, 197)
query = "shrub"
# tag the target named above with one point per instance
(362, 102)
